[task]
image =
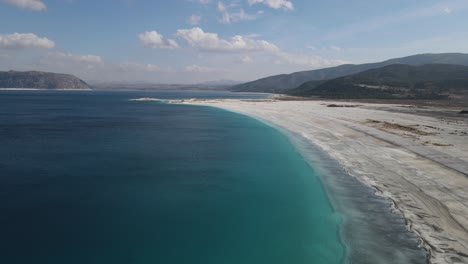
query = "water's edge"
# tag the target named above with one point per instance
(325, 165)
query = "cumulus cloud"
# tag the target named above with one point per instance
(25, 40)
(229, 17)
(155, 40)
(36, 5)
(276, 4)
(206, 41)
(194, 19)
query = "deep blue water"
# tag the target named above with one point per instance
(91, 177)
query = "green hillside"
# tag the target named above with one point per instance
(431, 81)
(284, 82)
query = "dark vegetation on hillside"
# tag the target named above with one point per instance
(284, 82)
(40, 80)
(432, 81)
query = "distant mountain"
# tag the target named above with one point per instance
(41, 80)
(282, 83)
(156, 86)
(430, 81)
(142, 85)
(221, 82)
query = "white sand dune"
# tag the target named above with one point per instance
(417, 160)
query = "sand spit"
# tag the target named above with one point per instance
(153, 99)
(147, 99)
(418, 159)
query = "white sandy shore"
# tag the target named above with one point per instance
(418, 161)
(147, 99)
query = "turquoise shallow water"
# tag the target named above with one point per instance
(91, 177)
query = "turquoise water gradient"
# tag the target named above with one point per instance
(91, 177)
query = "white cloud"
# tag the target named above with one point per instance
(245, 60)
(325, 48)
(222, 8)
(200, 69)
(204, 2)
(25, 40)
(68, 62)
(36, 5)
(194, 19)
(252, 35)
(139, 67)
(276, 4)
(229, 17)
(155, 40)
(205, 41)
(447, 10)
(76, 57)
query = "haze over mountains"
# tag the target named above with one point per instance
(424, 76)
(284, 82)
(41, 80)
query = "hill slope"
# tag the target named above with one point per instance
(41, 80)
(431, 81)
(284, 82)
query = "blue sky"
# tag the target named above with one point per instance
(190, 41)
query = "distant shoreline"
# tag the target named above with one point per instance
(37, 89)
(19, 89)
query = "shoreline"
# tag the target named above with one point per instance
(351, 230)
(421, 181)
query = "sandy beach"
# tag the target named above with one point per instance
(416, 156)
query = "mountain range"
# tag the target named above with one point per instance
(285, 82)
(424, 76)
(429, 81)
